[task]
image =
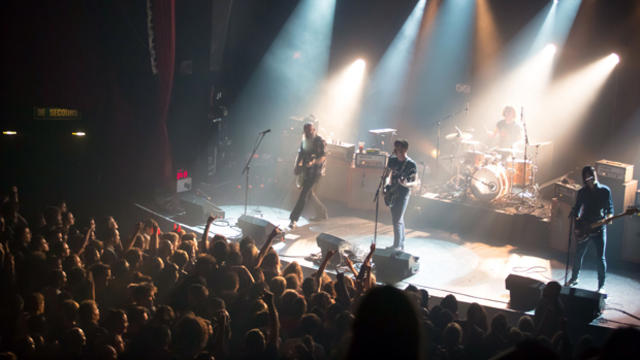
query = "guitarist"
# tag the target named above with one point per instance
(310, 164)
(593, 203)
(401, 179)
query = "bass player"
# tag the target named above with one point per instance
(593, 204)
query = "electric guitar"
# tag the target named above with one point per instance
(392, 192)
(307, 169)
(583, 228)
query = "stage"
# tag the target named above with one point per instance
(451, 262)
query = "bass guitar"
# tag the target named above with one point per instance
(583, 229)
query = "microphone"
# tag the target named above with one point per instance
(264, 132)
(466, 108)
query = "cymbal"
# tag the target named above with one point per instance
(459, 136)
(471, 142)
(385, 131)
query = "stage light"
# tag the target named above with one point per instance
(550, 50)
(9, 132)
(613, 59)
(78, 133)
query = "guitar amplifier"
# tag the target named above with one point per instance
(559, 225)
(341, 151)
(614, 170)
(371, 160)
(566, 192)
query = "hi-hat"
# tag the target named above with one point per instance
(458, 136)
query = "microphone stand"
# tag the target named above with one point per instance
(376, 199)
(566, 268)
(526, 145)
(247, 167)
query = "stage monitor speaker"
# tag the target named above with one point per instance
(198, 208)
(327, 242)
(392, 265)
(256, 228)
(524, 292)
(582, 306)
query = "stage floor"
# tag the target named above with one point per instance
(472, 270)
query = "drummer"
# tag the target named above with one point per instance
(508, 133)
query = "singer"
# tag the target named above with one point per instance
(401, 180)
(507, 133)
(309, 168)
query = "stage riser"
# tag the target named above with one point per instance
(479, 222)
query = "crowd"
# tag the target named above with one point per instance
(81, 291)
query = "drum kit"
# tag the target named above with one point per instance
(492, 174)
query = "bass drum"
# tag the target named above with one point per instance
(490, 183)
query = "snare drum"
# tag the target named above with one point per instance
(516, 167)
(490, 183)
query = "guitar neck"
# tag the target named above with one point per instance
(604, 221)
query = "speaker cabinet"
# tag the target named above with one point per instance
(335, 181)
(393, 265)
(624, 196)
(257, 228)
(524, 292)
(327, 242)
(559, 225)
(198, 208)
(363, 183)
(631, 240)
(582, 306)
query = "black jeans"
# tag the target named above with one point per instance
(308, 193)
(599, 241)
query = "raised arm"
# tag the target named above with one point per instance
(204, 242)
(136, 232)
(155, 239)
(366, 265)
(350, 265)
(323, 266)
(266, 246)
(87, 236)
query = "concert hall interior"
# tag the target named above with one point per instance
(200, 150)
